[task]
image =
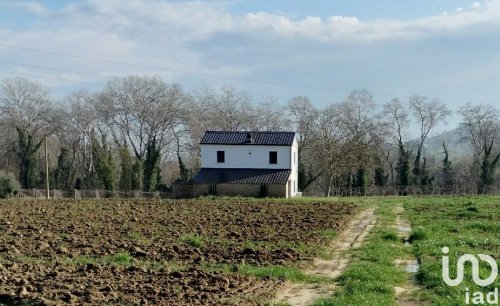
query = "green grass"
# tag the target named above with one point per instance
(192, 239)
(371, 277)
(466, 225)
(122, 258)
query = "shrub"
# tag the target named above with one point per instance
(8, 184)
(418, 234)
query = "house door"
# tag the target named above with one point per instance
(289, 189)
(212, 189)
(264, 190)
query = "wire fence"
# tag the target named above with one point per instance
(413, 190)
(427, 190)
(91, 194)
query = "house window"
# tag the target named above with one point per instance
(294, 158)
(221, 158)
(273, 157)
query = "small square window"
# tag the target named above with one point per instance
(221, 158)
(273, 157)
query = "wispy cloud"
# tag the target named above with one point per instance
(29, 6)
(196, 20)
(204, 37)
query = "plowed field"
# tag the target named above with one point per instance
(157, 252)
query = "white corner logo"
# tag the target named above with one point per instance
(475, 269)
(478, 297)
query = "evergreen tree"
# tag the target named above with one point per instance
(425, 177)
(137, 175)
(488, 165)
(126, 169)
(104, 164)
(403, 166)
(78, 183)
(152, 167)
(447, 172)
(360, 180)
(183, 170)
(380, 177)
(63, 178)
(28, 149)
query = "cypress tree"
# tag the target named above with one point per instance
(152, 167)
(126, 169)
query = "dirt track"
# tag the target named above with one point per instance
(352, 237)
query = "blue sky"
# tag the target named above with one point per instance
(442, 49)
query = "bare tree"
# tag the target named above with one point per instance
(268, 115)
(303, 115)
(227, 109)
(480, 128)
(397, 123)
(428, 114)
(78, 120)
(143, 111)
(26, 107)
(344, 135)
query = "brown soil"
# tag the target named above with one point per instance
(42, 244)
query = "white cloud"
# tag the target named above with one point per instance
(29, 6)
(202, 36)
(475, 5)
(345, 28)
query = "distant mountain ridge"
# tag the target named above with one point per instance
(456, 149)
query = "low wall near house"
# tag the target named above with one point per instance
(186, 190)
(244, 190)
(277, 191)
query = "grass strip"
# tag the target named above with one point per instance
(466, 225)
(371, 277)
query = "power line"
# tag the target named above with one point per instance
(391, 95)
(108, 77)
(51, 69)
(201, 74)
(50, 78)
(207, 75)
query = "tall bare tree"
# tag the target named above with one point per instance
(78, 121)
(480, 128)
(143, 111)
(226, 109)
(428, 114)
(344, 135)
(303, 115)
(397, 123)
(268, 115)
(26, 107)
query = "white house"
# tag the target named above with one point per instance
(248, 164)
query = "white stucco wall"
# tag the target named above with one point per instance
(245, 156)
(294, 175)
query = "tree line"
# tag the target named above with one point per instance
(141, 133)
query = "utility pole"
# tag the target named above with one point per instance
(47, 189)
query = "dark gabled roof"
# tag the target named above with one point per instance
(242, 176)
(240, 138)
